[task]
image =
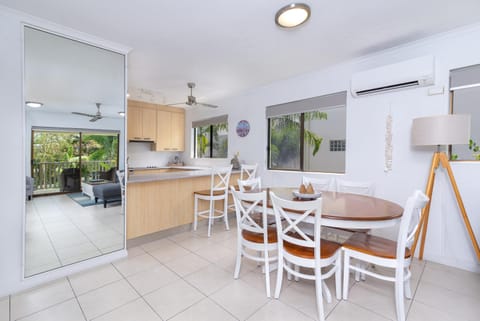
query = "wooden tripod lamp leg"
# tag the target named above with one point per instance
(426, 211)
(446, 165)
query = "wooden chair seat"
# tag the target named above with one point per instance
(258, 237)
(374, 245)
(207, 192)
(257, 217)
(327, 249)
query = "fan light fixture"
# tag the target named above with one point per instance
(292, 15)
(33, 104)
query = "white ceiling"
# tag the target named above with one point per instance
(230, 46)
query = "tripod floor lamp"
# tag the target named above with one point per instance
(441, 130)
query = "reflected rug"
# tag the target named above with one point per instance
(82, 199)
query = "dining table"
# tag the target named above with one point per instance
(346, 210)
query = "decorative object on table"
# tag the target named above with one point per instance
(235, 162)
(243, 128)
(441, 130)
(306, 192)
(388, 143)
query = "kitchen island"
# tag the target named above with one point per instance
(159, 199)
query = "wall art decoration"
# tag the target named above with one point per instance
(243, 128)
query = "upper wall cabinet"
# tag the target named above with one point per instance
(170, 130)
(163, 125)
(142, 122)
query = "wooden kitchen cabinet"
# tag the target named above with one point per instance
(170, 130)
(159, 205)
(142, 123)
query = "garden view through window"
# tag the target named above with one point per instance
(465, 94)
(61, 159)
(210, 137)
(300, 134)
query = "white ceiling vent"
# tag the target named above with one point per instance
(412, 73)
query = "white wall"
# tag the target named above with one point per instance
(447, 239)
(12, 169)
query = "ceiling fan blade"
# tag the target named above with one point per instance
(207, 105)
(83, 114)
(182, 103)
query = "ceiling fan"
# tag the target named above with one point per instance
(94, 117)
(192, 100)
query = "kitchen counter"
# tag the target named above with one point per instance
(142, 175)
(162, 198)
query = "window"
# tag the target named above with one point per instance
(465, 95)
(308, 135)
(210, 137)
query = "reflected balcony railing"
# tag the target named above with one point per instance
(48, 175)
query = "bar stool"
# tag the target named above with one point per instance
(218, 191)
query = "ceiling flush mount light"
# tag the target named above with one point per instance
(292, 15)
(33, 104)
(121, 113)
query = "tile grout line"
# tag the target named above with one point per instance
(140, 295)
(84, 233)
(414, 293)
(49, 238)
(76, 299)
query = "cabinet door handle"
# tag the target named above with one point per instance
(137, 137)
(147, 138)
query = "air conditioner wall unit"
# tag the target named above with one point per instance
(412, 73)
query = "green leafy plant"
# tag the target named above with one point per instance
(289, 124)
(475, 148)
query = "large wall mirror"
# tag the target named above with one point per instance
(74, 111)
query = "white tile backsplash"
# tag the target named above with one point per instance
(141, 155)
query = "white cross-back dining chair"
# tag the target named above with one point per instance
(250, 184)
(253, 232)
(298, 249)
(318, 184)
(218, 191)
(387, 253)
(352, 187)
(355, 187)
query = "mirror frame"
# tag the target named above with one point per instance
(84, 38)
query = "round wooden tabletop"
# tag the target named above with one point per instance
(361, 210)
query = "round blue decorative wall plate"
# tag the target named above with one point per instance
(243, 127)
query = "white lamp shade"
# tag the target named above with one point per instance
(441, 130)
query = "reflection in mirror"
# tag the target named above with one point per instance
(74, 146)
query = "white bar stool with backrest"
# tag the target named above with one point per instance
(253, 232)
(387, 253)
(248, 171)
(121, 180)
(302, 250)
(218, 191)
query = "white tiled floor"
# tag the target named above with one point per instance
(59, 232)
(190, 277)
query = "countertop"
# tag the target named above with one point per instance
(142, 175)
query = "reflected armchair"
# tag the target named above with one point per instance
(70, 180)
